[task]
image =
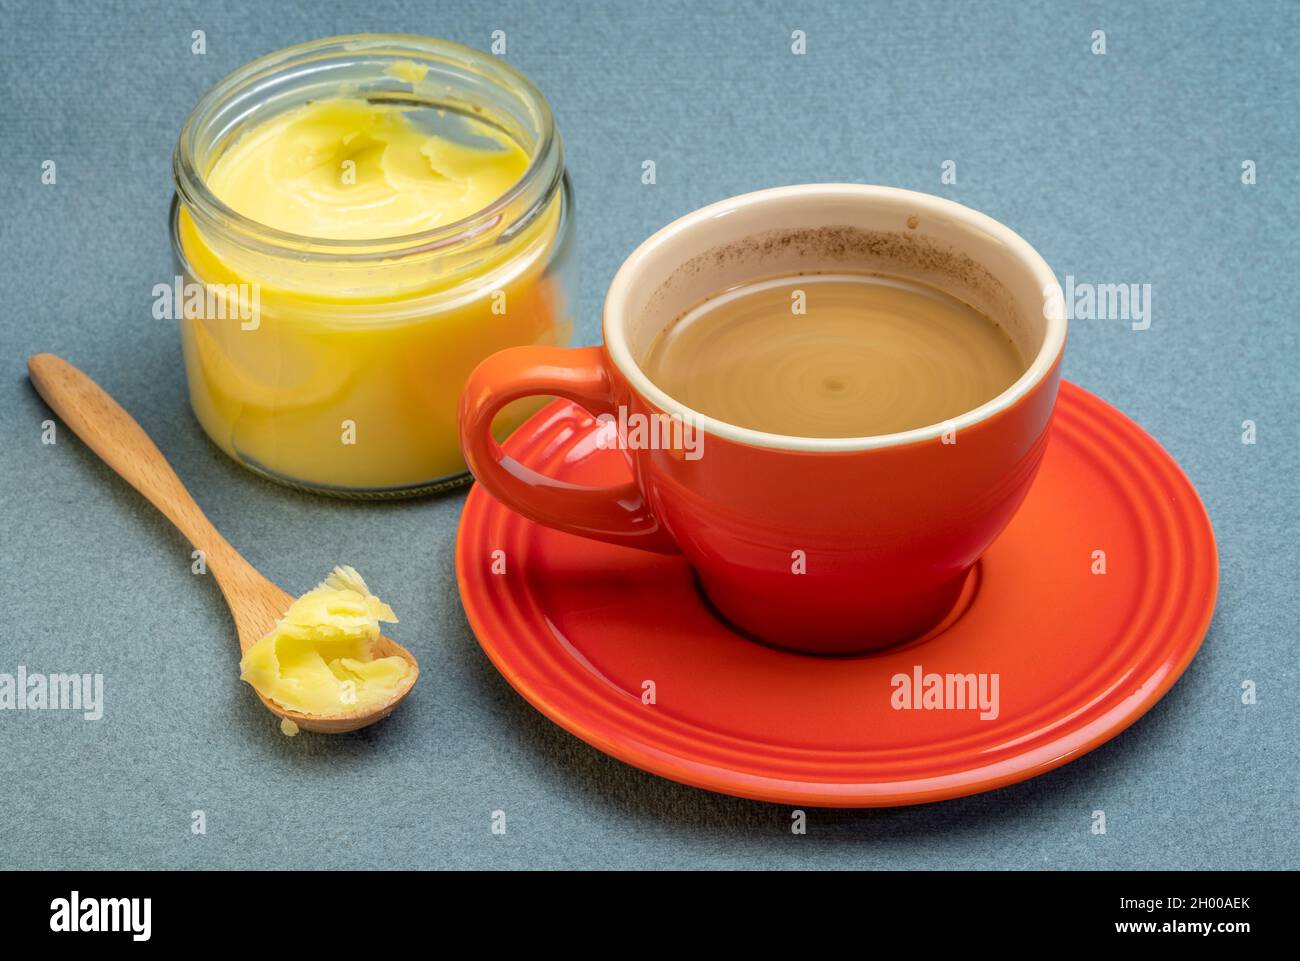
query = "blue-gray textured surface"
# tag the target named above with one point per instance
(1118, 168)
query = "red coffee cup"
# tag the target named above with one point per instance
(819, 545)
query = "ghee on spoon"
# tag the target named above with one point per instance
(255, 603)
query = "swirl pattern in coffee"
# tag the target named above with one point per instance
(833, 355)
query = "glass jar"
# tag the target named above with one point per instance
(337, 365)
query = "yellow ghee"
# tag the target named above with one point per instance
(348, 169)
(349, 378)
(319, 659)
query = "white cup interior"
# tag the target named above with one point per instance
(834, 228)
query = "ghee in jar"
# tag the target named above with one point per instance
(393, 243)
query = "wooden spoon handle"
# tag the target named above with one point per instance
(122, 444)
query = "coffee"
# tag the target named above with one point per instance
(833, 355)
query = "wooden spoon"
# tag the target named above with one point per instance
(254, 601)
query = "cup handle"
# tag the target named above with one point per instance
(616, 514)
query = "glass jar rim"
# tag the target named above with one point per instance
(546, 163)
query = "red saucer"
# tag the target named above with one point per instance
(577, 626)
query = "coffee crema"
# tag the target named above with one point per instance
(833, 355)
